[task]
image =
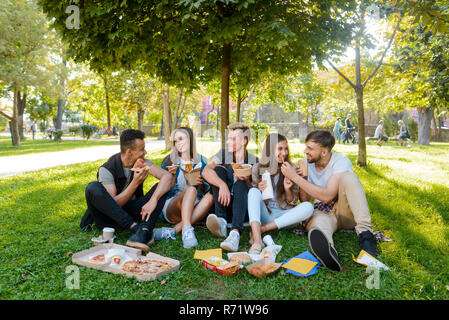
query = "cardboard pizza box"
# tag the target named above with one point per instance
(82, 257)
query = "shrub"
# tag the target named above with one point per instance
(88, 130)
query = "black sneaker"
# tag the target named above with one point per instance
(142, 239)
(368, 242)
(323, 250)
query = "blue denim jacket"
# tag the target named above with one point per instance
(175, 190)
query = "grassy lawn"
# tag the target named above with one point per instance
(408, 195)
(45, 145)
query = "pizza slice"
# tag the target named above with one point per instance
(97, 259)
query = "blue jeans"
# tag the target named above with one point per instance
(258, 212)
(337, 135)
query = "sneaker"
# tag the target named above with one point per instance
(142, 239)
(188, 237)
(164, 233)
(368, 243)
(216, 225)
(232, 242)
(323, 250)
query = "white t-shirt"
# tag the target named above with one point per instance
(338, 163)
(378, 131)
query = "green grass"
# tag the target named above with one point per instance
(45, 145)
(407, 191)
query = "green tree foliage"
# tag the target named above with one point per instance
(25, 44)
(423, 62)
(190, 42)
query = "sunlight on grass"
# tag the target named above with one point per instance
(409, 201)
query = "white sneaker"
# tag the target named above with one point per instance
(218, 226)
(188, 238)
(232, 242)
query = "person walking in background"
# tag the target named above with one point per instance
(337, 129)
(33, 129)
(348, 128)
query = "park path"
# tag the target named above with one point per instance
(36, 161)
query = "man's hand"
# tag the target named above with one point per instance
(300, 172)
(288, 171)
(140, 176)
(224, 196)
(147, 209)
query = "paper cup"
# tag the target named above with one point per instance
(108, 233)
(304, 167)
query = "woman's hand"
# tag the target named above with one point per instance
(172, 169)
(262, 185)
(287, 183)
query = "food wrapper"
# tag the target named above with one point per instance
(262, 268)
(241, 257)
(270, 252)
(229, 269)
(212, 263)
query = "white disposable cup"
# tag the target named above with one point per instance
(268, 240)
(267, 193)
(108, 233)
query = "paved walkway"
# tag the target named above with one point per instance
(36, 161)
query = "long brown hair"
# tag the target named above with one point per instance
(270, 164)
(175, 154)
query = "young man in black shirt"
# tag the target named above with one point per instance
(117, 199)
(230, 191)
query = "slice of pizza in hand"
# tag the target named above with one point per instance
(140, 165)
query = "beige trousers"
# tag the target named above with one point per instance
(350, 211)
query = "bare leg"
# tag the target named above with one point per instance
(174, 210)
(268, 227)
(199, 212)
(188, 203)
(256, 233)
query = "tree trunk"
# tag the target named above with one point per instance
(303, 129)
(225, 78)
(58, 124)
(15, 118)
(21, 103)
(361, 160)
(176, 113)
(239, 103)
(424, 122)
(166, 103)
(140, 114)
(61, 103)
(108, 109)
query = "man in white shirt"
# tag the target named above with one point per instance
(340, 202)
(380, 133)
